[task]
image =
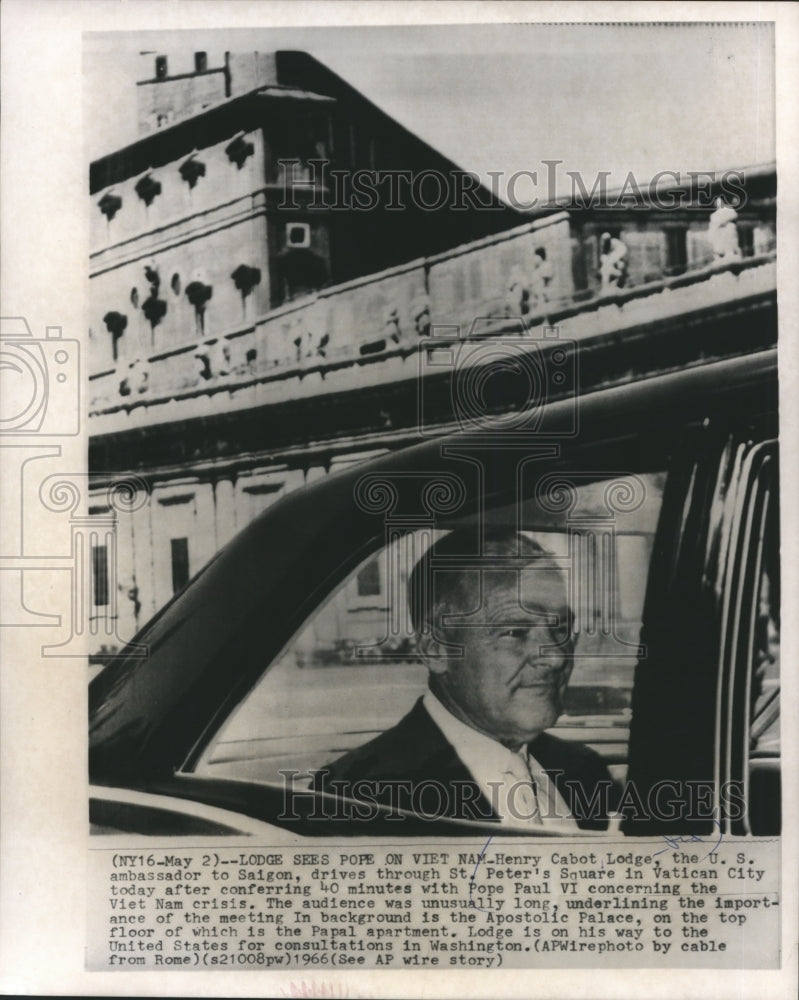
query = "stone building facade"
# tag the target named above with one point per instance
(249, 334)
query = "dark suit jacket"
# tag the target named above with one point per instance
(412, 766)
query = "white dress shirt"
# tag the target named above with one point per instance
(520, 791)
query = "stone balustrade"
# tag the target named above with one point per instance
(525, 272)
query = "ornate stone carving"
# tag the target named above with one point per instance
(238, 150)
(153, 307)
(191, 170)
(109, 204)
(148, 189)
(199, 294)
(245, 278)
(115, 323)
(137, 379)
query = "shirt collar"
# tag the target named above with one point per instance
(488, 761)
(480, 753)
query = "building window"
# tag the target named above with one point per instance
(746, 239)
(160, 68)
(298, 234)
(245, 278)
(100, 575)
(259, 496)
(199, 295)
(180, 563)
(191, 170)
(677, 253)
(115, 324)
(109, 205)
(369, 579)
(148, 189)
(200, 62)
(239, 149)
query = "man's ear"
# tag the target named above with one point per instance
(433, 652)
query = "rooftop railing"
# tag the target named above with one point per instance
(532, 272)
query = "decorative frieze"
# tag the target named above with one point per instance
(148, 189)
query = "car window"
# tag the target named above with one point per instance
(764, 731)
(763, 759)
(353, 670)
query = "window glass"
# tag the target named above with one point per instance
(764, 730)
(369, 579)
(100, 575)
(180, 563)
(353, 670)
(762, 774)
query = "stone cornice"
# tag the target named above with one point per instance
(311, 413)
(663, 301)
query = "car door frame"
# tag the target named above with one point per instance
(131, 748)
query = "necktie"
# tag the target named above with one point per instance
(520, 790)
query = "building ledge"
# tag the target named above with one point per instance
(740, 284)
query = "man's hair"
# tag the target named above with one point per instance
(453, 582)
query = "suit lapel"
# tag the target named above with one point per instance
(432, 758)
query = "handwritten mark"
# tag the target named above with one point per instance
(672, 843)
(474, 873)
(319, 990)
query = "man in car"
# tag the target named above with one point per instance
(495, 632)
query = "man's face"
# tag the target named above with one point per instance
(506, 683)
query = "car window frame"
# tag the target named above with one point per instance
(657, 396)
(756, 486)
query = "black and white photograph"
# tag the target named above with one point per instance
(416, 521)
(435, 479)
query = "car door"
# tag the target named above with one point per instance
(704, 744)
(748, 699)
